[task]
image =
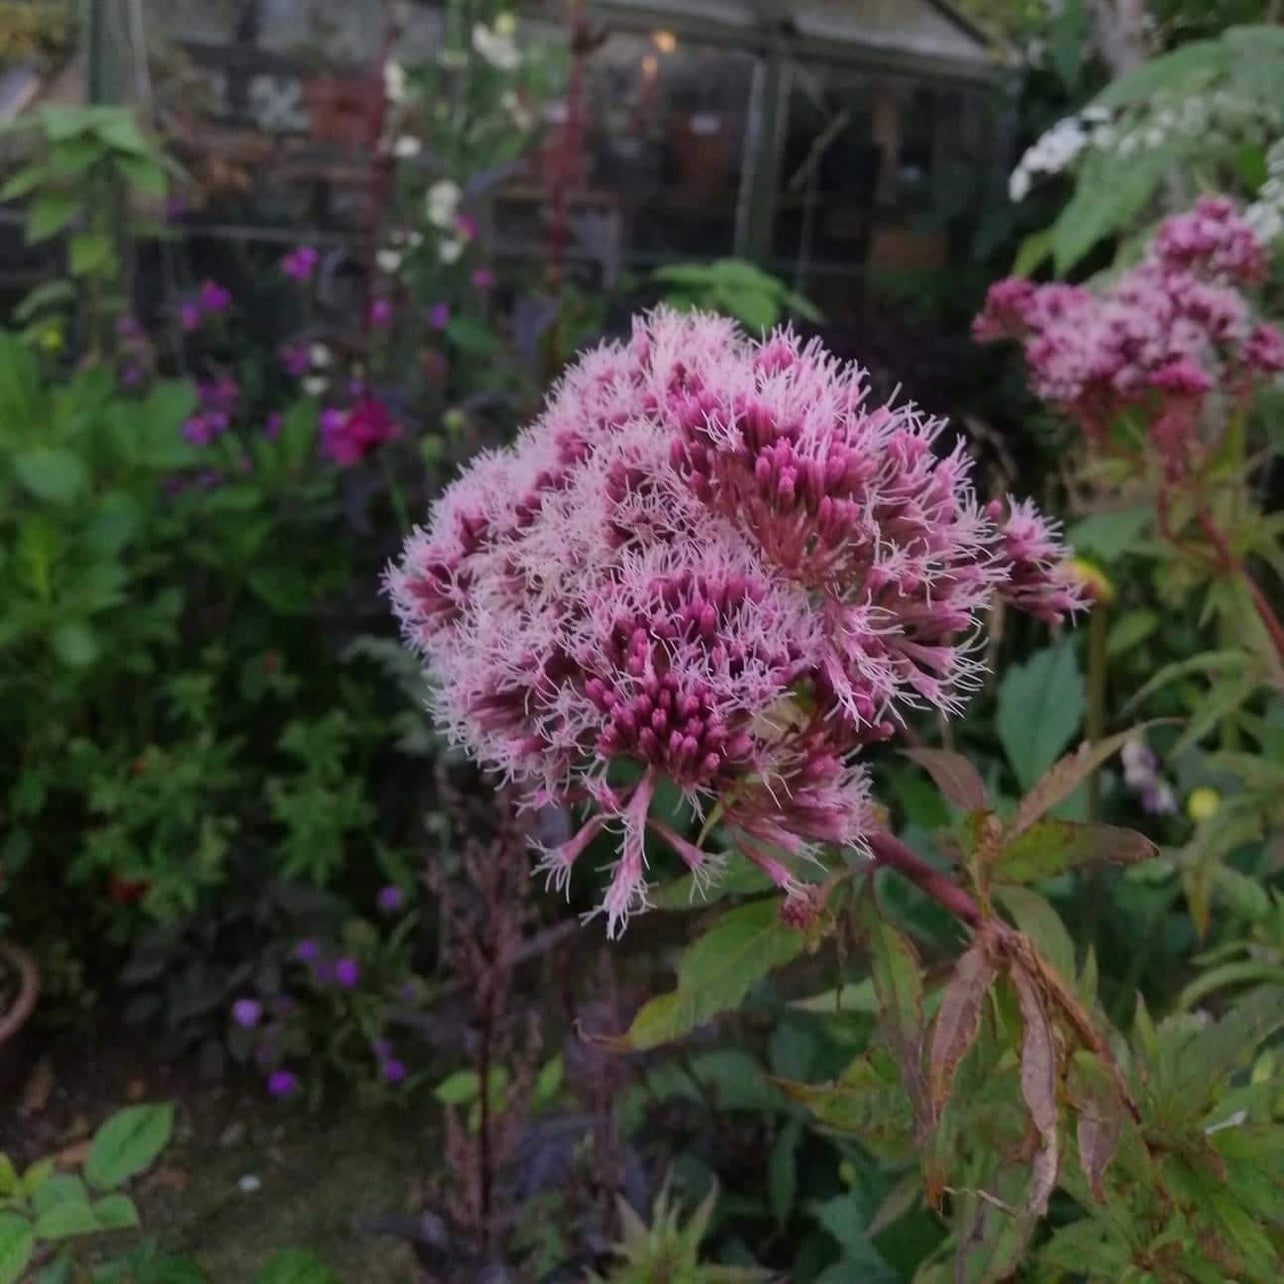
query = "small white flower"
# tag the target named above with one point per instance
(394, 81)
(449, 250)
(442, 202)
(497, 47)
(249, 1184)
(389, 261)
(320, 355)
(407, 146)
(1095, 115)
(315, 385)
(414, 239)
(1019, 185)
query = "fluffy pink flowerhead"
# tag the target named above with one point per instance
(347, 437)
(714, 562)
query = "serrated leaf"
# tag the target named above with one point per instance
(1051, 847)
(862, 1102)
(958, 1019)
(1038, 1086)
(716, 972)
(50, 473)
(128, 1144)
(1108, 536)
(956, 778)
(1063, 778)
(17, 1243)
(685, 893)
(1041, 704)
(1225, 661)
(1130, 630)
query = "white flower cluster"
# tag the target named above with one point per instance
(498, 44)
(1202, 122)
(1266, 214)
(1059, 148)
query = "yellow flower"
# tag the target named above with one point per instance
(1202, 803)
(51, 339)
(1093, 578)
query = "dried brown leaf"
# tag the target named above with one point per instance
(1038, 1085)
(1064, 777)
(954, 776)
(958, 1019)
(1100, 1120)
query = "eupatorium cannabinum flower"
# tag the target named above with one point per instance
(718, 562)
(1169, 338)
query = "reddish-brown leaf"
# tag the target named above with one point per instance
(957, 1020)
(1038, 1085)
(1100, 1119)
(1050, 847)
(955, 777)
(1064, 777)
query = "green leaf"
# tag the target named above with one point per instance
(782, 1171)
(119, 130)
(1051, 847)
(1035, 916)
(144, 175)
(49, 213)
(16, 1246)
(48, 295)
(92, 254)
(954, 776)
(458, 1089)
(1192, 66)
(1130, 630)
(1033, 251)
(25, 180)
(1106, 198)
(472, 336)
(686, 893)
(867, 1101)
(549, 1080)
(74, 644)
(716, 972)
(62, 1188)
(10, 1182)
(127, 1144)
(62, 122)
(66, 1221)
(844, 1217)
(1108, 536)
(115, 1212)
(296, 1266)
(51, 473)
(1041, 704)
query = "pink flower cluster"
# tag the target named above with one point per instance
(1164, 338)
(715, 561)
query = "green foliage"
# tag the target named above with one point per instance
(1041, 707)
(50, 1216)
(717, 972)
(735, 288)
(667, 1249)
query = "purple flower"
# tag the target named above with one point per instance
(189, 317)
(297, 359)
(392, 1071)
(483, 279)
(346, 438)
(131, 375)
(307, 951)
(213, 297)
(129, 330)
(409, 991)
(381, 1048)
(439, 316)
(198, 431)
(272, 426)
(246, 1013)
(347, 973)
(466, 226)
(282, 1084)
(332, 421)
(390, 899)
(299, 264)
(380, 312)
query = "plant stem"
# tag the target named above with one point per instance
(891, 853)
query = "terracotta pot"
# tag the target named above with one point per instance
(17, 1002)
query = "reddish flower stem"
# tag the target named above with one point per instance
(891, 853)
